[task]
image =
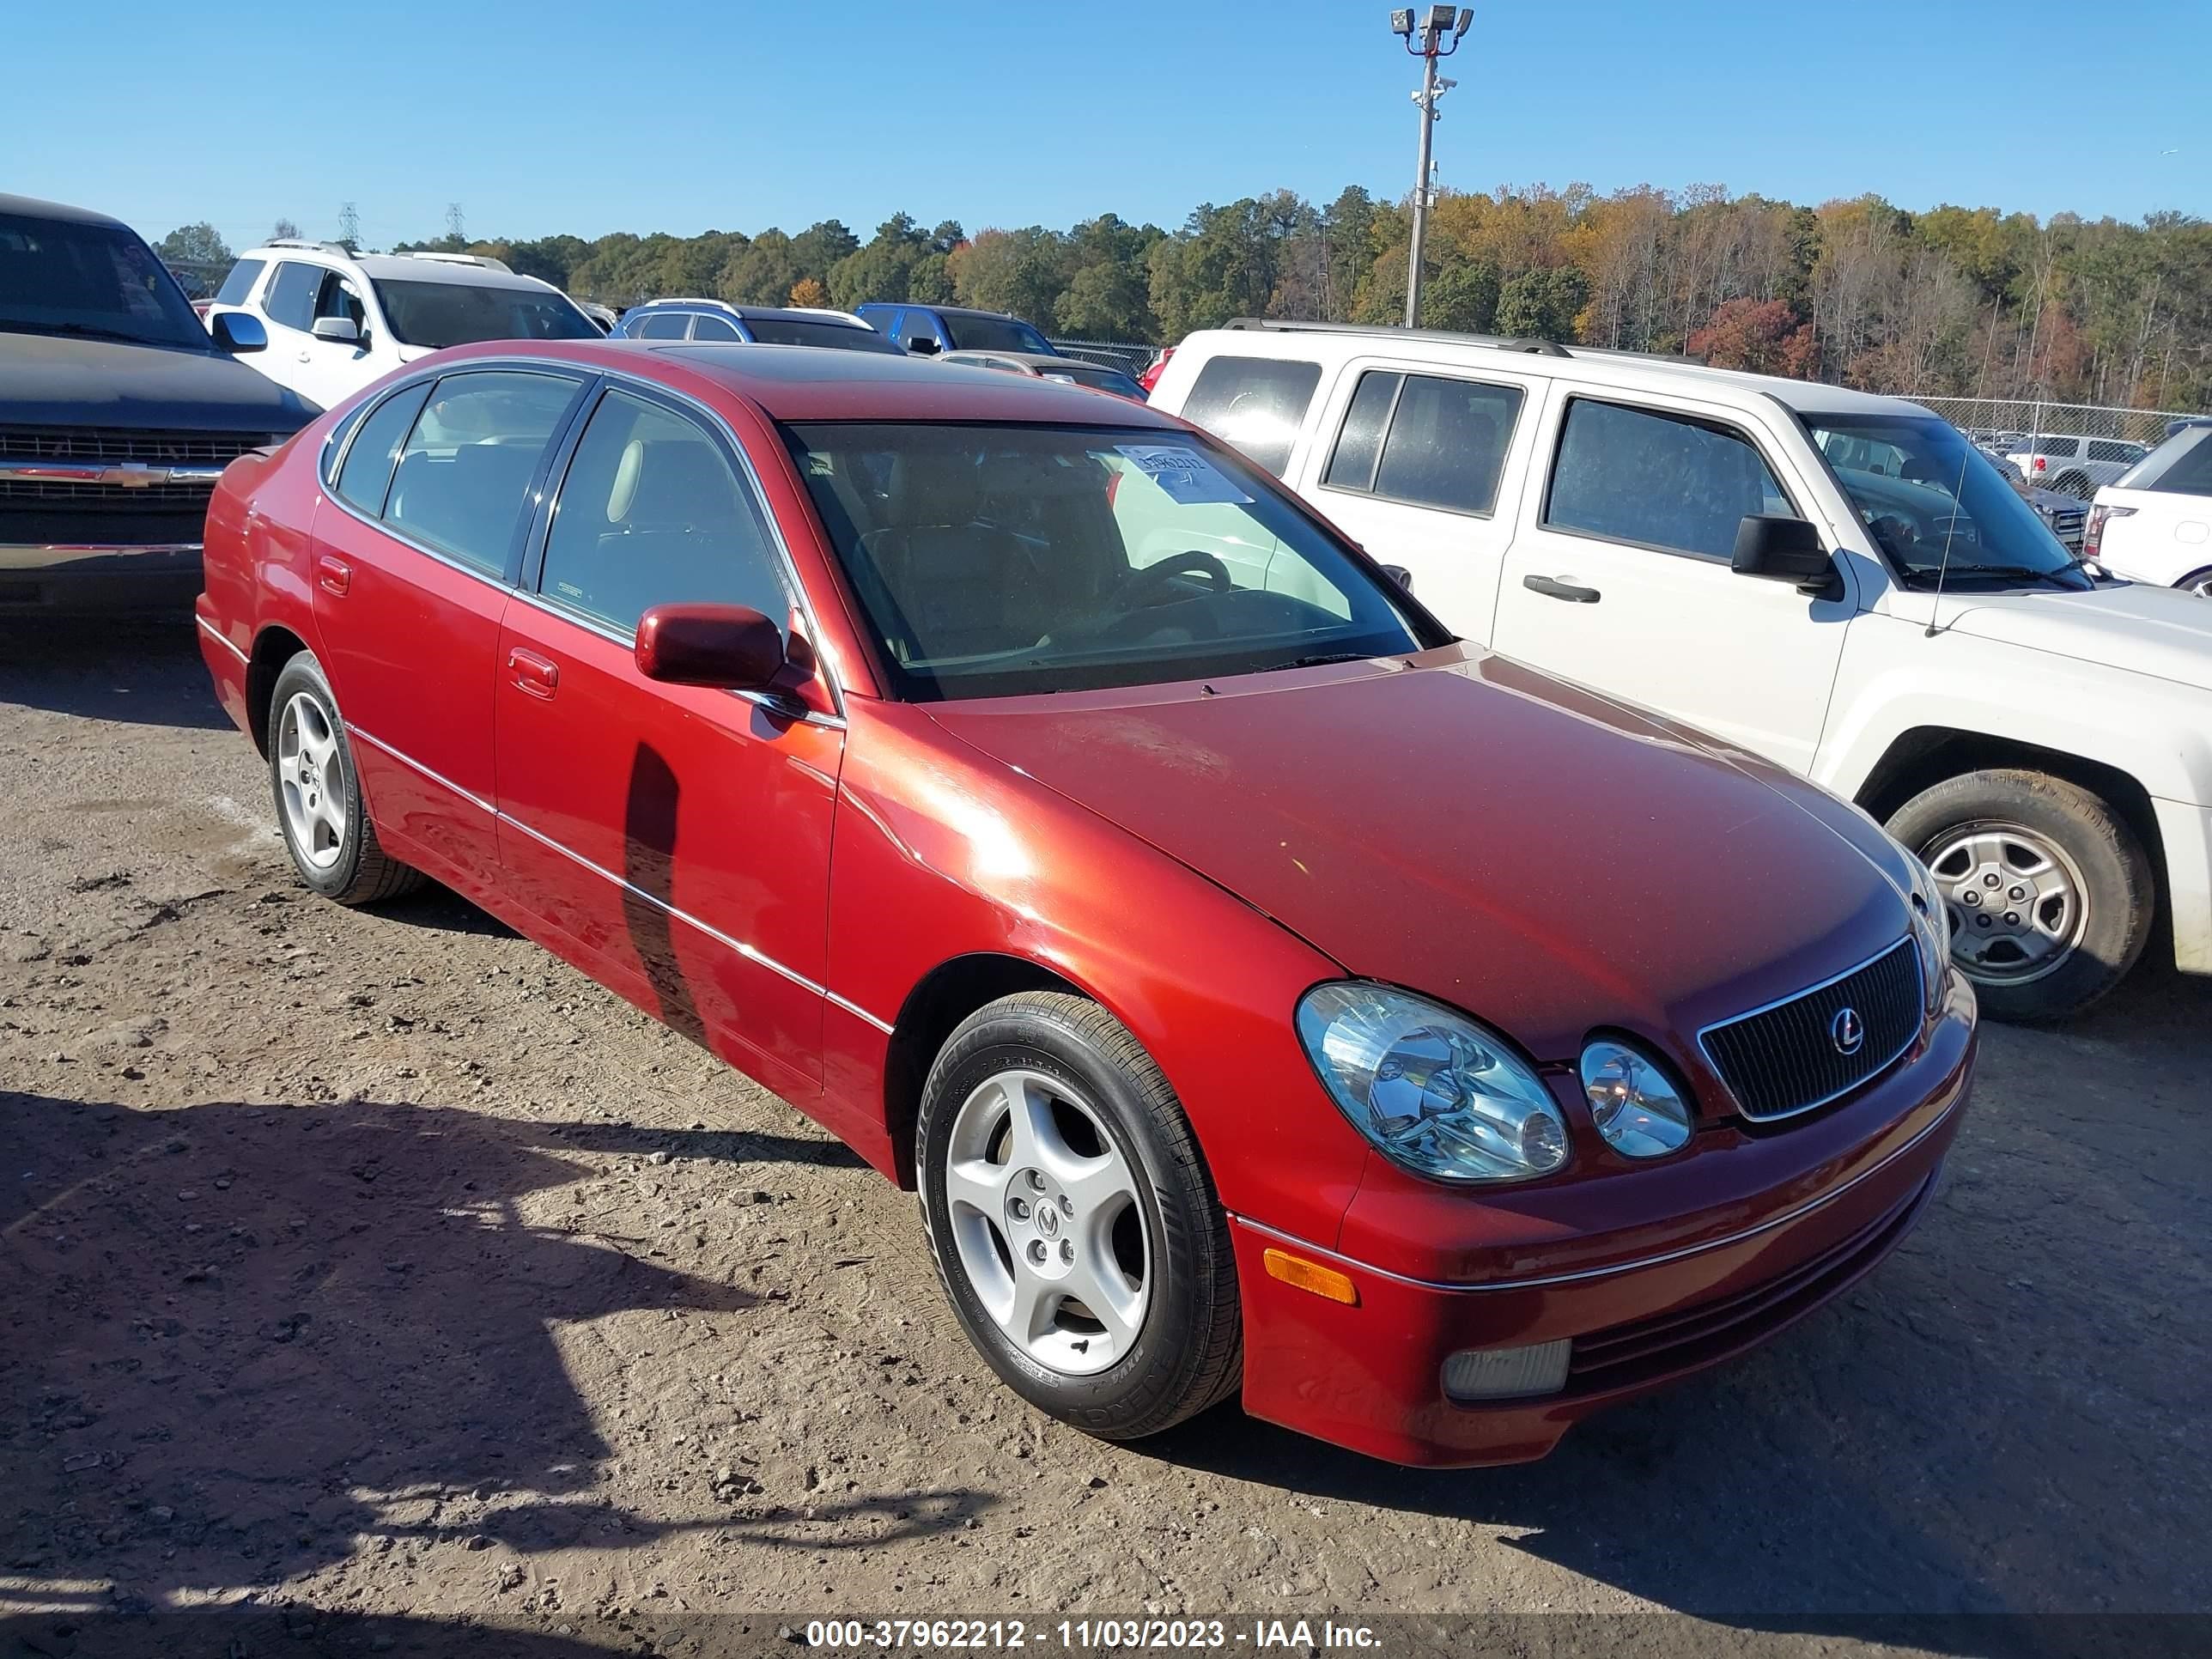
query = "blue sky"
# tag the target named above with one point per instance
(650, 116)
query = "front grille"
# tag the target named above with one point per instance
(1624, 1355)
(110, 445)
(1789, 1059)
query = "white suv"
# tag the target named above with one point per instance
(1836, 582)
(338, 320)
(2155, 524)
(2073, 466)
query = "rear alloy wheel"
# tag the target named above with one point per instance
(326, 828)
(2051, 897)
(2198, 582)
(1073, 1224)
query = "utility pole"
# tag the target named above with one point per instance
(1441, 21)
(453, 221)
(349, 225)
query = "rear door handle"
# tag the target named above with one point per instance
(333, 575)
(1553, 588)
(537, 675)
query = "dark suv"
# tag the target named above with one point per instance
(929, 329)
(118, 410)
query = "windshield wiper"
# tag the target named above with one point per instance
(2025, 573)
(1323, 659)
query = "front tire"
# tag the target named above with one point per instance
(2076, 484)
(2050, 893)
(320, 811)
(1075, 1226)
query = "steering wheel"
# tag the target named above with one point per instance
(1139, 588)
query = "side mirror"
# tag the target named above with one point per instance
(1782, 550)
(1400, 575)
(342, 329)
(238, 330)
(731, 647)
(924, 347)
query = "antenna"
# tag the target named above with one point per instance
(453, 221)
(1950, 528)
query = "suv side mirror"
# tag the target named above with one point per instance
(731, 647)
(923, 346)
(238, 330)
(342, 329)
(1782, 550)
(1400, 575)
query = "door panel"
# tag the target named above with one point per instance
(679, 834)
(1639, 599)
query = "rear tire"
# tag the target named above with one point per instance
(1101, 1185)
(319, 809)
(2198, 582)
(2076, 484)
(2050, 893)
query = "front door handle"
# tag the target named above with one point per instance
(1553, 588)
(537, 675)
(333, 575)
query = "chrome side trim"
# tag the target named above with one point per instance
(217, 634)
(749, 952)
(122, 475)
(1617, 1269)
(48, 555)
(414, 765)
(1920, 979)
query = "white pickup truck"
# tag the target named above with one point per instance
(1840, 583)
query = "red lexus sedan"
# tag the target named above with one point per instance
(1264, 990)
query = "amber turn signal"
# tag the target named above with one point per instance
(1324, 1282)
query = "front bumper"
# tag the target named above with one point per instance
(47, 578)
(1368, 1375)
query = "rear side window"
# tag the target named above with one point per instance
(663, 325)
(2055, 447)
(1255, 403)
(1660, 480)
(1426, 440)
(652, 512)
(714, 328)
(473, 450)
(240, 283)
(2185, 468)
(374, 451)
(291, 297)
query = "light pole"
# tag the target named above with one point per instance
(1441, 21)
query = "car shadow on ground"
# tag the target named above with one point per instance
(140, 671)
(245, 1342)
(1998, 1422)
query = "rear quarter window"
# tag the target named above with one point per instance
(1257, 405)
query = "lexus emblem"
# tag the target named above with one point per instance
(1847, 1031)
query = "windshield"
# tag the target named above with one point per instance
(994, 334)
(798, 331)
(1102, 379)
(456, 313)
(57, 277)
(1000, 560)
(1927, 497)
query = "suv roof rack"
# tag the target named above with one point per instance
(338, 248)
(480, 261)
(1503, 342)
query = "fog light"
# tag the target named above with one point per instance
(1507, 1373)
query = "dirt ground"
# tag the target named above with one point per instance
(360, 1271)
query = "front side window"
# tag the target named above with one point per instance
(1255, 403)
(291, 297)
(1012, 559)
(239, 282)
(2104, 449)
(1426, 440)
(57, 276)
(714, 328)
(994, 334)
(434, 313)
(914, 325)
(1936, 504)
(336, 298)
(462, 473)
(652, 512)
(374, 451)
(1670, 482)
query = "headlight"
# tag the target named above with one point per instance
(1638, 1109)
(1931, 929)
(1431, 1088)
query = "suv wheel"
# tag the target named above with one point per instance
(2076, 484)
(2198, 582)
(326, 827)
(2050, 894)
(1072, 1221)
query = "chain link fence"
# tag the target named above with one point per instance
(198, 278)
(1108, 354)
(2002, 417)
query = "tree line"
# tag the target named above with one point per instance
(1956, 302)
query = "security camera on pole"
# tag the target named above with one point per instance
(1441, 22)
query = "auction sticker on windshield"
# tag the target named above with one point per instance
(1186, 475)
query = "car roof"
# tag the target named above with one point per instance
(805, 383)
(30, 207)
(396, 267)
(1628, 370)
(944, 311)
(776, 313)
(1035, 359)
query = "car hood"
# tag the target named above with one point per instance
(1460, 823)
(47, 380)
(2163, 632)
